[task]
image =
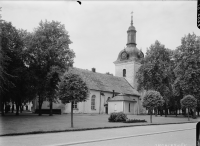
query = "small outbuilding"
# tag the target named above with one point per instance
(123, 103)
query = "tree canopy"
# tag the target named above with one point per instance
(156, 71)
(72, 88)
(49, 57)
(188, 101)
(152, 99)
(187, 69)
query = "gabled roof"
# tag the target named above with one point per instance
(122, 97)
(105, 82)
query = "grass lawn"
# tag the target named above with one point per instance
(28, 122)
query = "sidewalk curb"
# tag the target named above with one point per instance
(84, 129)
(117, 138)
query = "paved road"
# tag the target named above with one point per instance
(162, 135)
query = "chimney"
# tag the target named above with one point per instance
(113, 93)
(93, 69)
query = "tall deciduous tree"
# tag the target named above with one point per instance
(155, 72)
(3, 74)
(152, 99)
(49, 55)
(12, 66)
(2, 59)
(187, 70)
(12, 46)
(188, 102)
(72, 89)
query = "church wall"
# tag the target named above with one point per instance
(104, 101)
(82, 107)
(85, 107)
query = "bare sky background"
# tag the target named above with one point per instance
(98, 29)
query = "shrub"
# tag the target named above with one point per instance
(117, 117)
(112, 117)
(134, 121)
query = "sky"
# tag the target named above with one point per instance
(98, 29)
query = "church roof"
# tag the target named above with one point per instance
(133, 54)
(122, 97)
(105, 82)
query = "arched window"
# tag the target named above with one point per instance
(93, 102)
(124, 72)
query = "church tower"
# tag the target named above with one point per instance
(128, 60)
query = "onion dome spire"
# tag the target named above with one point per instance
(132, 18)
(131, 34)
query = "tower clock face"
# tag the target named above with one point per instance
(124, 55)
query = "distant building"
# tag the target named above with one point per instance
(110, 93)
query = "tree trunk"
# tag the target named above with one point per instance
(72, 115)
(197, 108)
(2, 108)
(12, 107)
(151, 116)
(156, 110)
(21, 108)
(17, 109)
(18, 104)
(188, 114)
(161, 111)
(165, 106)
(40, 105)
(51, 108)
(194, 114)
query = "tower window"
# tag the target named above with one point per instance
(124, 72)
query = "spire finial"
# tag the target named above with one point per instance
(132, 18)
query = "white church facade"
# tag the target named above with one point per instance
(110, 93)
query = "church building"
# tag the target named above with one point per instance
(110, 93)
